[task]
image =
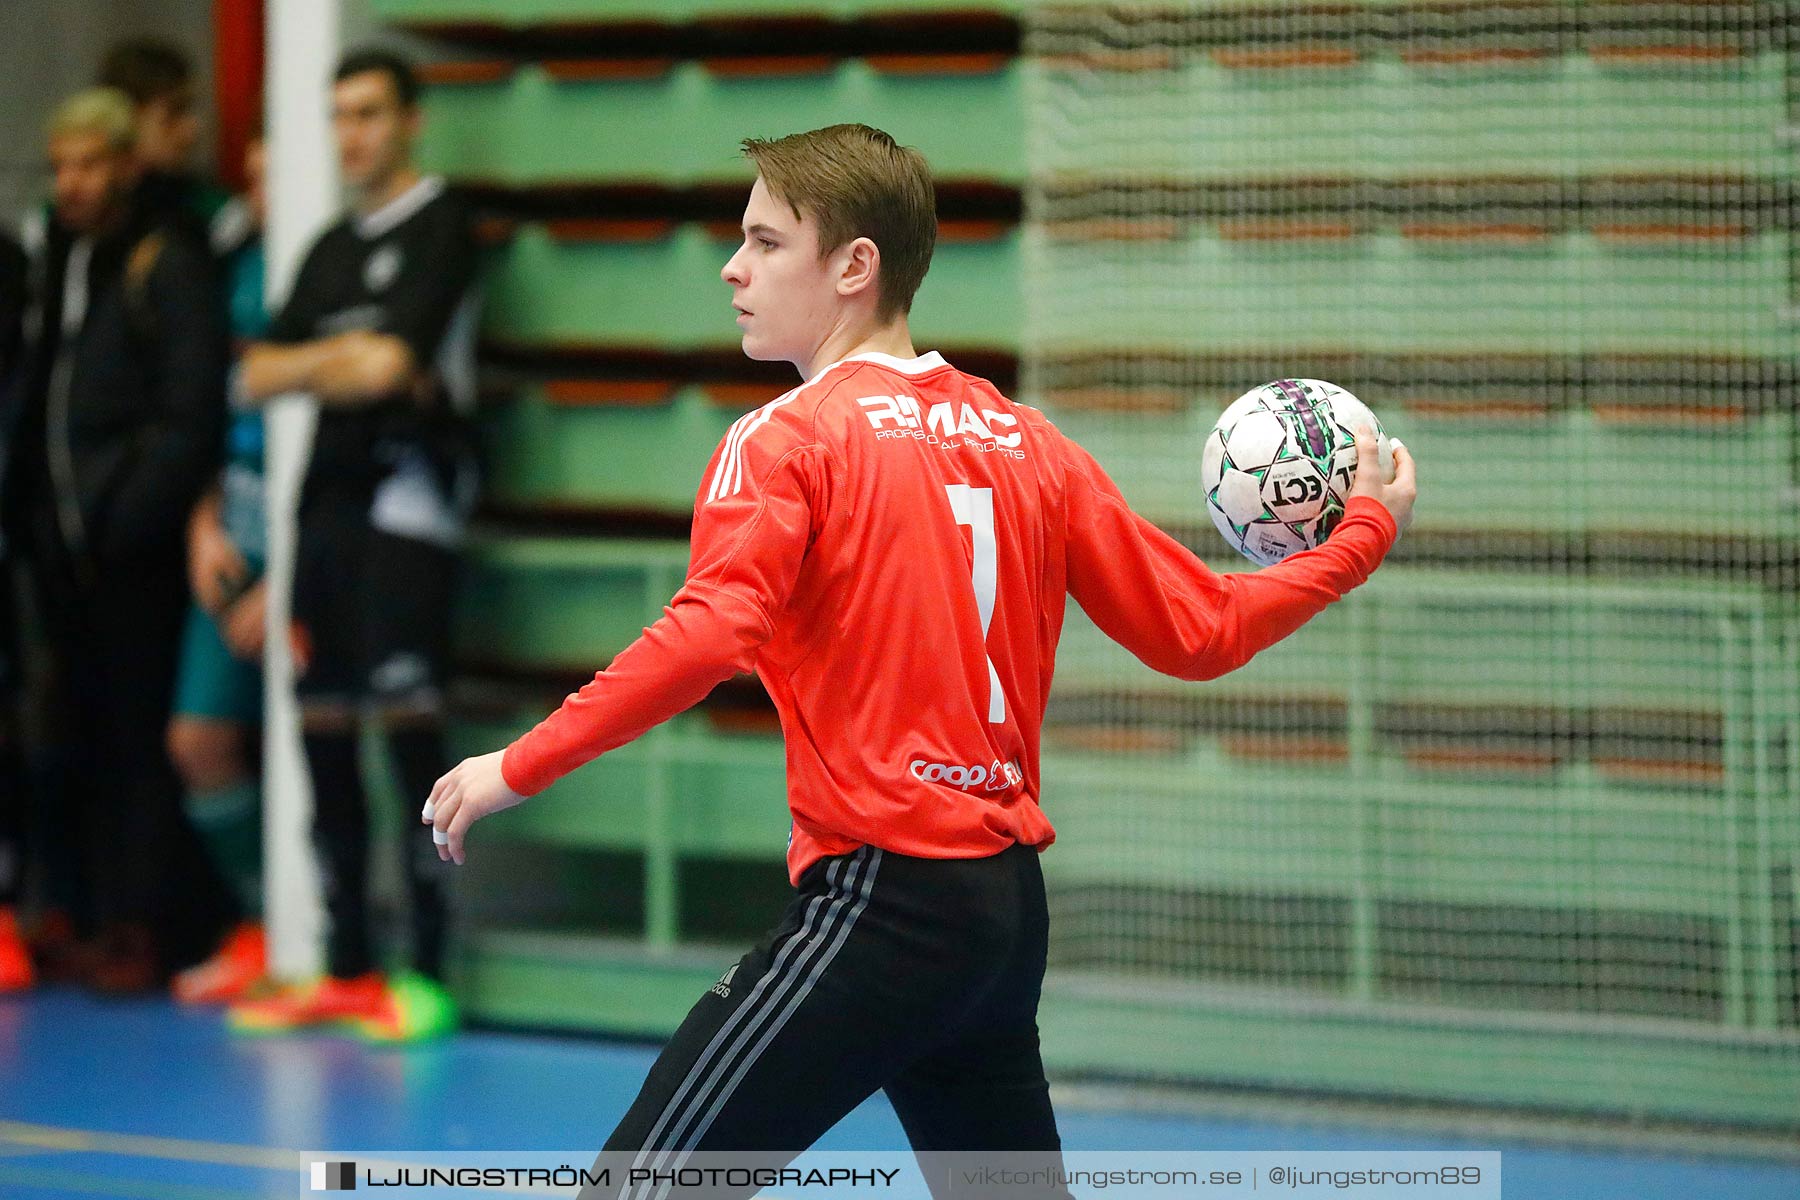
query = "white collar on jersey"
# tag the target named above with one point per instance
(385, 218)
(931, 360)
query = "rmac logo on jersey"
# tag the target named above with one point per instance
(945, 424)
(996, 777)
(901, 410)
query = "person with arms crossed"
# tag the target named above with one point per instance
(888, 546)
(379, 328)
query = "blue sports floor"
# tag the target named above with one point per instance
(141, 1099)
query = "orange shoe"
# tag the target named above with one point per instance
(16, 974)
(233, 969)
(328, 1001)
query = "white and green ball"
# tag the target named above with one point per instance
(1279, 464)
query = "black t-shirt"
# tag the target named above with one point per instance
(407, 269)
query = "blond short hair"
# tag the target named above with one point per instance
(854, 182)
(102, 110)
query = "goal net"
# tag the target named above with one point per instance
(1520, 820)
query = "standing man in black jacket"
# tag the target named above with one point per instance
(118, 423)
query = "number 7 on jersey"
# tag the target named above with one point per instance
(974, 507)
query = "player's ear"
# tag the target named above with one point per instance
(860, 266)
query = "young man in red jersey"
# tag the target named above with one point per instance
(888, 546)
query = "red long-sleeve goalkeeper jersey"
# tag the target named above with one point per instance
(888, 547)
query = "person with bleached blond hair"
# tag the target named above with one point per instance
(115, 428)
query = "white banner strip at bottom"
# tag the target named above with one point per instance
(903, 1175)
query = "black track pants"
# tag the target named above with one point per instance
(916, 976)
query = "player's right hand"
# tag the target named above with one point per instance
(474, 788)
(1396, 496)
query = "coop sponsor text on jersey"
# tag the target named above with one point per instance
(995, 777)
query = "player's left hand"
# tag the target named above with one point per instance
(1396, 494)
(469, 791)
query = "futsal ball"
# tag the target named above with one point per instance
(1279, 465)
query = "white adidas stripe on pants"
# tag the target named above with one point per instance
(758, 1020)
